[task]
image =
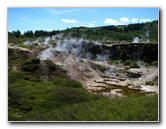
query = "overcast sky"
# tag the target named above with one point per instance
(49, 19)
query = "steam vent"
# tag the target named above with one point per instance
(111, 70)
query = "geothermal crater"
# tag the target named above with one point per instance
(87, 62)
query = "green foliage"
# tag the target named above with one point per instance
(154, 63)
(11, 38)
(150, 83)
(69, 95)
(104, 33)
(17, 34)
(131, 64)
(50, 64)
(65, 82)
(22, 45)
(128, 62)
(146, 64)
(14, 76)
(135, 65)
(28, 34)
(30, 65)
(30, 99)
(109, 61)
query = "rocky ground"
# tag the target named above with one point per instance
(109, 80)
(99, 77)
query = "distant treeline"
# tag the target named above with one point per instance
(147, 30)
(37, 33)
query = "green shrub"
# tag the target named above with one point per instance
(114, 61)
(23, 45)
(128, 62)
(65, 82)
(68, 95)
(32, 61)
(35, 60)
(146, 64)
(14, 76)
(150, 83)
(31, 65)
(142, 108)
(31, 100)
(154, 63)
(135, 65)
(51, 65)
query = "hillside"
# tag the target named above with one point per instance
(146, 32)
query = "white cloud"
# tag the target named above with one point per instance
(112, 21)
(91, 24)
(135, 20)
(82, 26)
(144, 20)
(124, 19)
(69, 20)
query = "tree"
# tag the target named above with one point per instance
(28, 34)
(17, 33)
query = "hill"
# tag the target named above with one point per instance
(146, 32)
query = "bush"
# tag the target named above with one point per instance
(150, 83)
(14, 76)
(32, 61)
(31, 65)
(68, 95)
(50, 64)
(128, 62)
(146, 64)
(154, 63)
(65, 82)
(35, 60)
(135, 65)
(114, 61)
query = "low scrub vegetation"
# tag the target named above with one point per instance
(30, 99)
(131, 64)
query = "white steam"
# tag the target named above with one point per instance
(40, 41)
(110, 72)
(47, 54)
(143, 39)
(136, 40)
(78, 47)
